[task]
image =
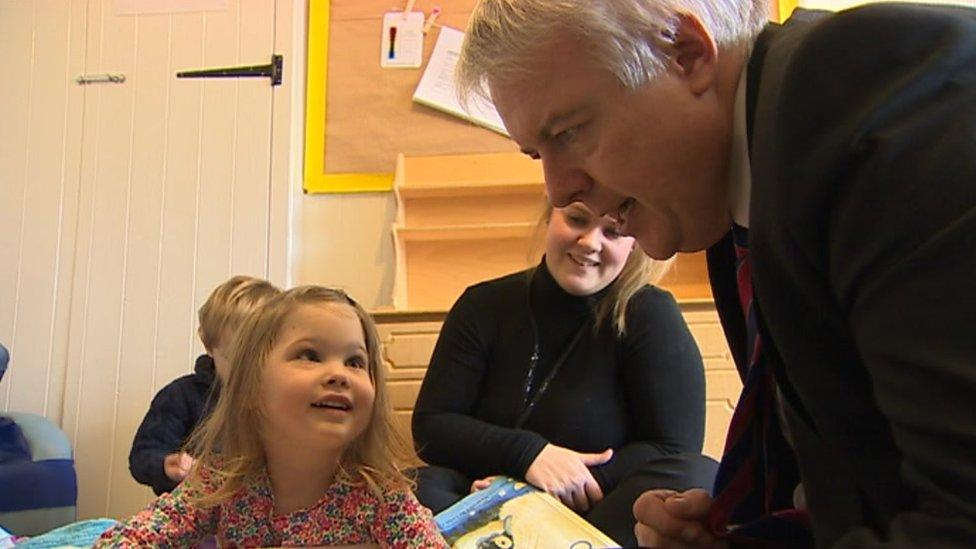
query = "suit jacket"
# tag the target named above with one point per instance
(862, 131)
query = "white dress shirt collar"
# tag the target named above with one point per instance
(740, 173)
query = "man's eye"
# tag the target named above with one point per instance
(309, 354)
(611, 234)
(576, 220)
(568, 135)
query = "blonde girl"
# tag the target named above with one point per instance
(300, 449)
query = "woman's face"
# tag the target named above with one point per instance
(584, 253)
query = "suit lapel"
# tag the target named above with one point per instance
(764, 74)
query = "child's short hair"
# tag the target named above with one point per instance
(229, 304)
(378, 457)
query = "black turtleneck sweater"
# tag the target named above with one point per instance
(642, 395)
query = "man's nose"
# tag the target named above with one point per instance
(565, 184)
(598, 198)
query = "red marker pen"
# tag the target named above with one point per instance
(392, 52)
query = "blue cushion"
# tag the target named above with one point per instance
(36, 470)
(34, 485)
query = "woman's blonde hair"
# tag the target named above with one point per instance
(639, 270)
(631, 38)
(227, 444)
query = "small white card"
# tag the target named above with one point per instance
(402, 43)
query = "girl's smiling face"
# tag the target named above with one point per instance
(316, 385)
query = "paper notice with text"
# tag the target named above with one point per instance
(438, 91)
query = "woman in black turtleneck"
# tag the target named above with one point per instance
(576, 376)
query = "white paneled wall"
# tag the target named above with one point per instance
(349, 244)
(123, 205)
(40, 107)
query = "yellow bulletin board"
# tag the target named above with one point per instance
(358, 115)
(316, 179)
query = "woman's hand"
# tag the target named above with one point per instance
(666, 518)
(177, 466)
(563, 473)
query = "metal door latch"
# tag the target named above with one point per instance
(100, 79)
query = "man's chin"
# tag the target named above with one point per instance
(656, 250)
(659, 249)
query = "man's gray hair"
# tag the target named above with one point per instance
(628, 37)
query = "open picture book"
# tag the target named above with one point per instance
(511, 514)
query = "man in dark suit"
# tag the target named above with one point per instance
(841, 152)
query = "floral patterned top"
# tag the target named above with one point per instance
(347, 514)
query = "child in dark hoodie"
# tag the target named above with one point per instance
(157, 459)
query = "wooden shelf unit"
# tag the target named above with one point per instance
(488, 231)
(462, 219)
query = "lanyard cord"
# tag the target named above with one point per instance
(529, 404)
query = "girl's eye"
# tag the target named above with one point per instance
(612, 234)
(356, 362)
(310, 355)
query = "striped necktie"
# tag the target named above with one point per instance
(754, 486)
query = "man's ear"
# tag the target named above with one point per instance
(694, 55)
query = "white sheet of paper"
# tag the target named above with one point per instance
(402, 43)
(437, 89)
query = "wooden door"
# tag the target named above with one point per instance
(176, 194)
(40, 142)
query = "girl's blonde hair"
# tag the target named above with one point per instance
(227, 444)
(639, 270)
